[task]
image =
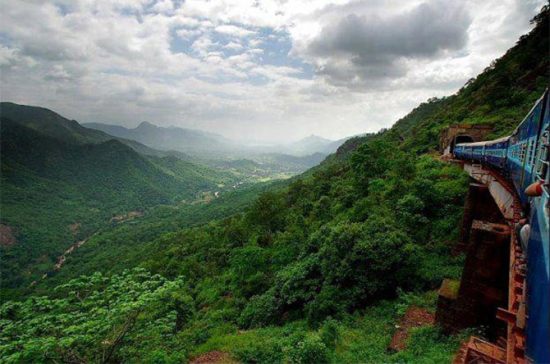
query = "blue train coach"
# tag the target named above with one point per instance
(537, 172)
(492, 153)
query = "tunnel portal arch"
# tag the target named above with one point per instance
(462, 133)
(461, 139)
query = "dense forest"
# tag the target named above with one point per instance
(319, 268)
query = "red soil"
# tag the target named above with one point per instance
(213, 357)
(414, 317)
(7, 237)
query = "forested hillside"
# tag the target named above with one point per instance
(57, 190)
(51, 124)
(319, 270)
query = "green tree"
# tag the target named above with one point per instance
(128, 317)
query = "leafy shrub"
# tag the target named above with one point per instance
(261, 352)
(260, 311)
(330, 334)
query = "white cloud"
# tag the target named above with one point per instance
(188, 22)
(255, 42)
(233, 30)
(187, 34)
(202, 45)
(163, 6)
(8, 56)
(233, 46)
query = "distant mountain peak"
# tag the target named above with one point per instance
(314, 137)
(146, 124)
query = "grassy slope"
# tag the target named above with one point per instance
(361, 338)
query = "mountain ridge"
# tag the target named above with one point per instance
(199, 143)
(172, 138)
(53, 124)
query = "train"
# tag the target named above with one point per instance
(523, 158)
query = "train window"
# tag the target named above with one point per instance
(543, 156)
(522, 151)
(532, 152)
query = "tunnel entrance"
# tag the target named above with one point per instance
(461, 133)
(461, 139)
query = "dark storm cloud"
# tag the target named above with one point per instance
(368, 48)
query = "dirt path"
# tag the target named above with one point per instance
(63, 257)
(117, 219)
(127, 217)
(7, 236)
(414, 317)
(213, 357)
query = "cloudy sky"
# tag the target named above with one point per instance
(250, 69)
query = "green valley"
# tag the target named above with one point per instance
(59, 188)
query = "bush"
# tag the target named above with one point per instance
(309, 350)
(261, 352)
(260, 311)
(330, 334)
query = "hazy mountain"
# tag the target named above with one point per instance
(313, 144)
(269, 165)
(43, 141)
(292, 162)
(171, 138)
(200, 147)
(201, 143)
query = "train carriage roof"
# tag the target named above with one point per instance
(499, 140)
(484, 143)
(476, 144)
(520, 125)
